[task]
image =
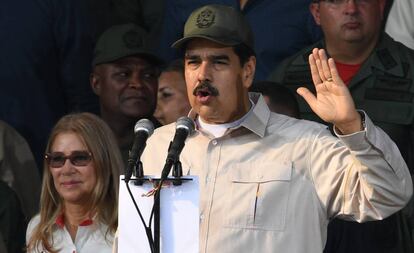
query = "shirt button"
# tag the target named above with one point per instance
(202, 217)
(214, 142)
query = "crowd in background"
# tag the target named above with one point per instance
(109, 63)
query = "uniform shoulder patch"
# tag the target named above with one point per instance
(386, 58)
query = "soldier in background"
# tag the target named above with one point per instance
(18, 169)
(12, 221)
(125, 78)
(379, 73)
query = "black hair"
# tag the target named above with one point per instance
(279, 96)
(176, 65)
(243, 52)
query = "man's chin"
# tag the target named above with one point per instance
(353, 37)
(209, 114)
(137, 115)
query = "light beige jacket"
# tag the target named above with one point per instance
(272, 184)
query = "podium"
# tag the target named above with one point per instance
(179, 217)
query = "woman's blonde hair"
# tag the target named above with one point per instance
(101, 143)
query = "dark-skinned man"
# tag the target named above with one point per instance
(125, 77)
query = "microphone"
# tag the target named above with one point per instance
(143, 129)
(184, 127)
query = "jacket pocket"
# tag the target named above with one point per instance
(258, 196)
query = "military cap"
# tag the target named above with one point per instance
(219, 23)
(121, 41)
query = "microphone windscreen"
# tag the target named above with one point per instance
(186, 123)
(144, 125)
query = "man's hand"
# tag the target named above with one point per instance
(333, 102)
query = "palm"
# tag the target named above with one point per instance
(333, 102)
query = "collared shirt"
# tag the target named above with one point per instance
(218, 130)
(274, 182)
(90, 237)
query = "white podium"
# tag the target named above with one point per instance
(179, 217)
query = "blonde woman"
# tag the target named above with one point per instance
(78, 208)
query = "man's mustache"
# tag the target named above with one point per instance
(206, 86)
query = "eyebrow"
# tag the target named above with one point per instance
(210, 57)
(220, 57)
(188, 56)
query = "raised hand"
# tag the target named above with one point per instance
(333, 102)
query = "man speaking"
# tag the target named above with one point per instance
(268, 182)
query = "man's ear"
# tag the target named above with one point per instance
(249, 69)
(94, 80)
(314, 9)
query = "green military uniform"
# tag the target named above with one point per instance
(18, 169)
(121, 41)
(12, 222)
(384, 88)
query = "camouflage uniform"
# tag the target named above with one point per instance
(384, 88)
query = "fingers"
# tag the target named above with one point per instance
(320, 68)
(314, 70)
(324, 62)
(334, 71)
(316, 56)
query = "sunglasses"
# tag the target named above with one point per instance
(77, 158)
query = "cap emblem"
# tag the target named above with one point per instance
(132, 39)
(205, 19)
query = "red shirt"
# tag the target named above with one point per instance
(347, 71)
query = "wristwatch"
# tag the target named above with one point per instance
(363, 125)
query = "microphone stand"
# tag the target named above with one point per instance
(138, 172)
(154, 238)
(177, 173)
(184, 127)
(156, 211)
(156, 208)
(176, 180)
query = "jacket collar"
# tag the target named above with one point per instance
(257, 120)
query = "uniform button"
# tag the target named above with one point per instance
(214, 142)
(202, 217)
